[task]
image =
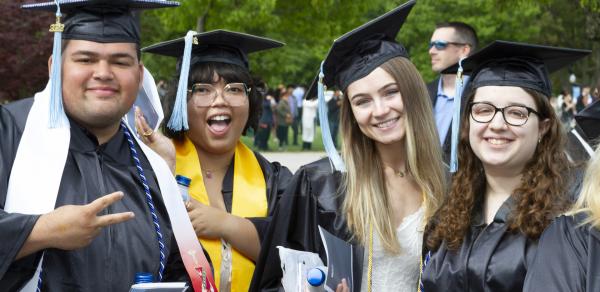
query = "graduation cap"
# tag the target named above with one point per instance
(358, 52)
(505, 63)
(216, 46)
(353, 56)
(102, 21)
(588, 120)
(220, 46)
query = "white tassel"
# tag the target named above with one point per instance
(179, 120)
(57, 117)
(334, 157)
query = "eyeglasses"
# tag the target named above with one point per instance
(442, 45)
(514, 115)
(204, 94)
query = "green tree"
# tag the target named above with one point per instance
(308, 27)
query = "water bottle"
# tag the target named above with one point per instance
(143, 278)
(316, 279)
(184, 186)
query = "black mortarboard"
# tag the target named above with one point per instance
(353, 56)
(214, 46)
(588, 120)
(504, 63)
(359, 51)
(101, 21)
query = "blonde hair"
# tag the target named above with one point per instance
(589, 198)
(366, 199)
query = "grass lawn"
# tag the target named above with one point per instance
(317, 144)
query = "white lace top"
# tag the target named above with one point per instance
(397, 272)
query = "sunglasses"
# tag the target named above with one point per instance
(442, 45)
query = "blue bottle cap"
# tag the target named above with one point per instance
(143, 278)
(315, 277)
(183, 180)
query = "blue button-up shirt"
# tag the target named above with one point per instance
(443, 109)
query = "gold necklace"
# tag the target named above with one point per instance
(208, 173)
(399, 173)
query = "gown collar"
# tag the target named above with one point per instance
(501, 215)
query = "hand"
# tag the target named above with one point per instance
(342, 287)
(71, 227)
(162, 145)
(209, 222)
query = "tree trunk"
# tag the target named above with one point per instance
(201, 22)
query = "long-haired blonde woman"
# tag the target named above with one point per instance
(511, 178)
(394, 176)
(568, 256)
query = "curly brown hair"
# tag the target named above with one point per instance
(539, 198)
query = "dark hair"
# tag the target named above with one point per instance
(138, 51)
(537, 200)
(464, 32)
(204, 73)
(261, 86)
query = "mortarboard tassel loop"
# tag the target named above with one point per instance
(57, 117)
(456, 118)
(178, 120)
(334, 156)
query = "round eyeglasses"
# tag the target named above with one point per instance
(514, 115)
(442, 45)
(204, 94)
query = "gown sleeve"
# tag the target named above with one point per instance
(14, 228)
(560, 262)
(310, 200)
(277, 177)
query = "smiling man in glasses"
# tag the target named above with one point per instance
(450, 42)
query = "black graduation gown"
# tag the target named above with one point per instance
(574, 149)
(568, 257)
(110, 262)
(489, 259)
(310, 200)
(276, 178)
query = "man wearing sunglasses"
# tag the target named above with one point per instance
(450, 42)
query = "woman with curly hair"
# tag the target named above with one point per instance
(510, 182)
(568, 254)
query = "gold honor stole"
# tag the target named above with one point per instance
(249, 200)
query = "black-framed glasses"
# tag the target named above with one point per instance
(204, 94)
(514, 115)
(442, 45)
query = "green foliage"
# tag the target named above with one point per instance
(592, 5)
(309, 27)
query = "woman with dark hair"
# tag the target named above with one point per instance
(233, 189)
(389, 179)
(511, 178)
